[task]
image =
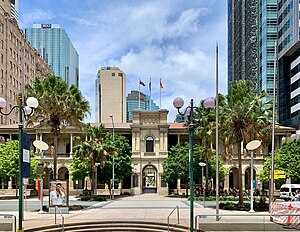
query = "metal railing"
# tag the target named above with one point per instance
(222, 218)
(177, 207)
(62, 218)
(7, 217)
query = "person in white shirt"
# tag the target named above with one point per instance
(57, 196)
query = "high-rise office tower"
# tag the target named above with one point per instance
(133, 103)
(242, 40)
(289, 63)
(110, 95)
(267, 35)
(55, 46)
(19, 62)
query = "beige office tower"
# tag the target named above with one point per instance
(111, 95)
(19, 62)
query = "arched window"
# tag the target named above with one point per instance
(149, 144)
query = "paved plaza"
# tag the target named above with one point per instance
(152, 207)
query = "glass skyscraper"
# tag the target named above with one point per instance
(133, 103)
(267, 35)
(55, 46)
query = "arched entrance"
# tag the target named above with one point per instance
(63, 173)
(149, 179)
(234, 178)
(248, 178)
(48, 175)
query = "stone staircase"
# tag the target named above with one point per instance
(116, 226)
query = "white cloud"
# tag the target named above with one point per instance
(171, 39)
(35, 16)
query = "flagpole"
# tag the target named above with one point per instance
(139, 94)
(159, 94)
(150, 94)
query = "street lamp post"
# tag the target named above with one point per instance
(254, 144)
(189, 111)
(113, 163)
(28, 110)
(96, 177)
(42, 146)
(202, 165)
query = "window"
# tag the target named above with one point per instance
(149, 144)
(120, 74)
(113, 74)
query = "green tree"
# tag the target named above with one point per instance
(287, 159)
(58, 106)
(205, 124)
(100, 148)
(247, 117)
(9, 161)
(89, 152)
(176, 166)
(122, 160)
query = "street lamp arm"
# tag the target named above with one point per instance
(11, 110)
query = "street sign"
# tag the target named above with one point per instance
(26, 156)
(279, 176)
(279, 172)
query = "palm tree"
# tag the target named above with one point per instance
(205, 124)
(58, 105)
(247, 117)
(88, 153)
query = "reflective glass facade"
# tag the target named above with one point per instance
(56, 48)
(133, 103)
(267, 35)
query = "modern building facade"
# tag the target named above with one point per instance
(55, 46)
(133, 103)
(289, 63)
(267, 35)
(19, 61)
(242, 40)
(110, 95)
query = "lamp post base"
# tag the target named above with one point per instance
(251, 211)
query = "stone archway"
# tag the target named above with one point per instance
(63, 173)
(149, 179)
(248, 177)
(48, 175)
(234, 178)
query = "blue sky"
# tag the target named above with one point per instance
(170, 39)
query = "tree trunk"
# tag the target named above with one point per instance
(55, 176)
(241, 200)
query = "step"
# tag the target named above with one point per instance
(113, 226)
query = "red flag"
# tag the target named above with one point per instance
(161, 85)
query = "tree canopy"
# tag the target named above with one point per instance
(287, 159)
(100, 148)
(9, 161)
(176, 166)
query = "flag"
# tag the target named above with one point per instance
(142, 83)
(161, 85)
(150, 84)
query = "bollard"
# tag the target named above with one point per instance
(290, 207)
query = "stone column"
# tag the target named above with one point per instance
(226, 182)
(71, 144)
(35, 149)
(178, 139)
(178, 186)
(71, 183)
